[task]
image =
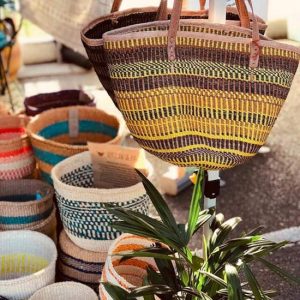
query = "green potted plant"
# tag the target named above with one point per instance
(223, 271)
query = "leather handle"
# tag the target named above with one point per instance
(174, 25)
(162, 12)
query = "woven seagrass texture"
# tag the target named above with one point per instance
(207, 106)
(52, 139)
(38, 103)
(82, 206)
(128, 273)
(28, 262)
(92, 34)
(16, 156)
(24, 203)
(65, 291)
(79, 265)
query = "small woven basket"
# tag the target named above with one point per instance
(65, 291)
(128, 273)
(77, 264)
(28, 261)
(16, 156)
(82, 206)
(24, 203)
(62, 132)
(36, 104)
(91, 34)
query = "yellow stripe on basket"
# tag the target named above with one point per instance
(213, 165)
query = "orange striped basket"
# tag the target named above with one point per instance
(128, 273)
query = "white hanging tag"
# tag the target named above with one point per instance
(73, 123)
(217, 11)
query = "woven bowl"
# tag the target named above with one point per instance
(82, 206)
(24, 203)
(28, 261)
(79, 265)
(128, 273)
(65, 291)
(62, 132)
(16, 156)
(36, 104)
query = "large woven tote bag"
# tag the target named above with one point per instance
(92, 33)
(199, 94)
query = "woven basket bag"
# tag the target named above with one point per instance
(28, 261)
(65, 291)
(91, 34)
(128, 273)
(77, 264)
(62, 132)
(16, 156)
(24, 202)
(82, 206)
(199, 94)
(36, 104)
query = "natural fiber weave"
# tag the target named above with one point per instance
(77, 264)
(82, 206)
(128, 273)
(51, 137)
(65, 291)
(28, 261)
(207, 97)
(36, 104)
(24, 203)
(92, 34)
(16, 156)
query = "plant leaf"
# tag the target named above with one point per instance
(153, 289)
(116, 292)
(196, 293)
(234, 284)
(254, 285)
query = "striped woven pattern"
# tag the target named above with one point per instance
(207, 107)
(82, 206)
(128, 273)
(92, 35)
(52, 140)
(24, 203)
(16, 156)
(28, 262)
(79, 265)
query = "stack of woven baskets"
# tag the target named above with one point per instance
(87, 234)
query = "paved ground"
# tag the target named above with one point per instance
(264, 191)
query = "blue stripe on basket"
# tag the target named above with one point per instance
(85, 126)
(48, 157)
(46, 177)
(25, 219)
(19, 198)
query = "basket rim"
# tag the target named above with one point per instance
(81, 148)
(75, 161)
(44, 239)
(47, 197)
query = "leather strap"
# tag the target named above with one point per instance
(202, 4)
(116, 6)
(174, 25)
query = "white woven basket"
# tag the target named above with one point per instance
(28, 261)
(65, 291)
(128, 273)
(85, 219)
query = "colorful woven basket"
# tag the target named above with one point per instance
(24, 203)
(62, 132)
(128, 273)
(82, 206)
(91, 34)
(36, 104)
(199, 94)
(65, 291)
(16, 156)
(28, 261)
(77, 264)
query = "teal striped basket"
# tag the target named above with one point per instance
(24, 203)
(82, 205)
(62, 132)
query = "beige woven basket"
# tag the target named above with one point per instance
(62, 132)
